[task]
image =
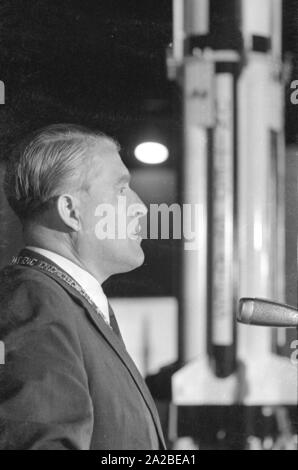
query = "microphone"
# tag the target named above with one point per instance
(266, 313)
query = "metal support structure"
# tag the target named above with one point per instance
(227, 59)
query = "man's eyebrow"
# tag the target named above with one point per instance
(124, 178)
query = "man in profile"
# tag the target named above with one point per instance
(68, 381)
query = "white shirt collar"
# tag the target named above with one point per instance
(88, 282)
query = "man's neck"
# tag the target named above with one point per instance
(63, 248)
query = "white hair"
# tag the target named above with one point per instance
(47, 162)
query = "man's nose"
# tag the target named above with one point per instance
(140, 210)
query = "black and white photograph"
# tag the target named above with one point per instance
(148, 227)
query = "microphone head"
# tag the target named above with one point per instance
(264, 312)
(246, 310)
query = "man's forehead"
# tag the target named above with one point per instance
(109, 163)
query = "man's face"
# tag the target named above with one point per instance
(110, 215)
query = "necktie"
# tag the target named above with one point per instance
(114, 323)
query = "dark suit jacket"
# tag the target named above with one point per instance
(68, 381)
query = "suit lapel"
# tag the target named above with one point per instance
(112, 337)
(118, 346)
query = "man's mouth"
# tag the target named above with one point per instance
(136, 233)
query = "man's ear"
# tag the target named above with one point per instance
(68, 210)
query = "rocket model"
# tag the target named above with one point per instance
(227, 59)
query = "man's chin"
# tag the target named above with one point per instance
(139, 258)
(136, 259)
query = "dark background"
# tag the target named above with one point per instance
(102, 63)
